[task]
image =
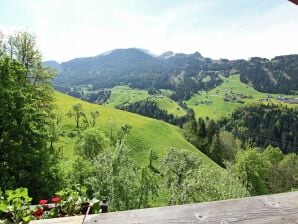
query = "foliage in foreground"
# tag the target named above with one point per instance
(189, 180)
(260, 172)
(26, 99)
(109, 172)
(181, 176)
(267, 172)
(15, 205)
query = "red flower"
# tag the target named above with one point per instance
(43, 202)
(38, 213)
(56, 199)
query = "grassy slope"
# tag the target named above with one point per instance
(219, 107)
(146, 133)
(123, 95)
(169, 105)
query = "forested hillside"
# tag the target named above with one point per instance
(150, 108)
(265, 125)
(278, 75)
(185, 74)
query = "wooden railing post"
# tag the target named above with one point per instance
(104, 206)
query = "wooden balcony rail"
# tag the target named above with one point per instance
(273, 209)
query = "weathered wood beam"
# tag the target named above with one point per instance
(274, 209)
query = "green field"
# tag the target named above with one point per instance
(169, 105)
(146, 133)
(212, 103)
(122, 95)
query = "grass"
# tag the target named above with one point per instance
(146, 133)
(122, 95)
(169, 105)
(218, 108)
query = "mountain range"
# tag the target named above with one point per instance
(184, 74)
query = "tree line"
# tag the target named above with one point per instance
(151, 109)
(265, 124)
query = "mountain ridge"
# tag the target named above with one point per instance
(185, 74)
(167, 53)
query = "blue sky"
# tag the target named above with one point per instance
(66, 29)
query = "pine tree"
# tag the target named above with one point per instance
(215, 151)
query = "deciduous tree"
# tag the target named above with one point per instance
(253, 170)
(77, 113)
(26, 99)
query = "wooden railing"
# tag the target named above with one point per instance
(274, 209)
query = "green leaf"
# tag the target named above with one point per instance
(3, 206)
(28, 218)
(53, 213)
(18, 193)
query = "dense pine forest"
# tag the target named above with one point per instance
(265, 125)
(278, 75)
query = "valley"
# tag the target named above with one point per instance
(177, 88)
(223, 100)
(177, 82)
(110, 106)
(216, 103)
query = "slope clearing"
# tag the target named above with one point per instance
(123, 95)
(231, 94)
(169, 105)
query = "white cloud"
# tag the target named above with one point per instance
(75, 28)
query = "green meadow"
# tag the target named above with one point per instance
(122, 95)
(169, 105)
(146, 133)
(212, 104)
